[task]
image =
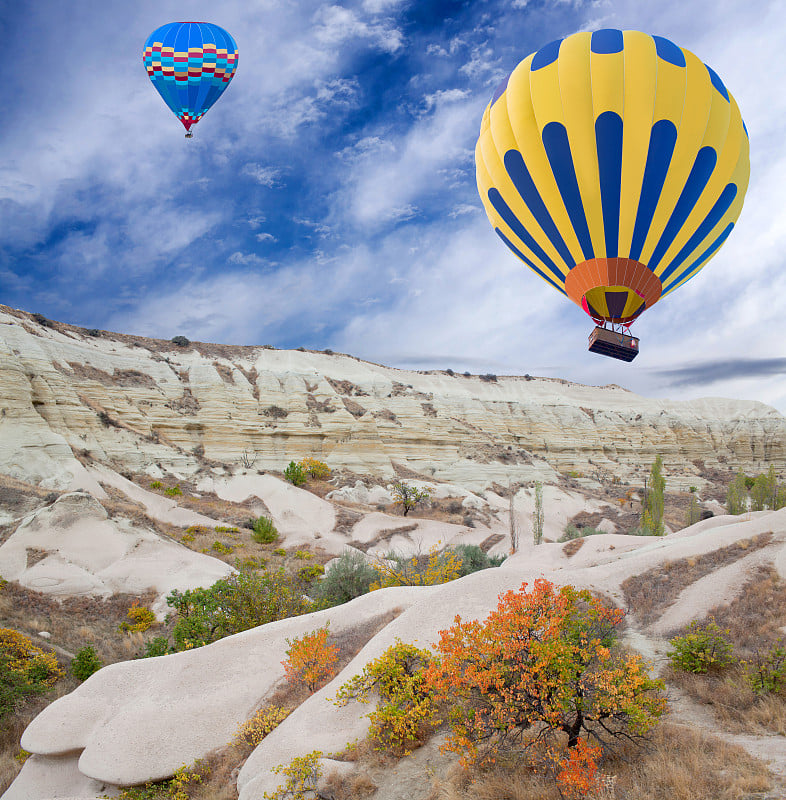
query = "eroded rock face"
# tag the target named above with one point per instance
(72, 548)
(142, 402)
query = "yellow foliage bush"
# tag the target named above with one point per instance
(436, 567)
(260, 725)
(140, 619)
(24, 658)
(314, 468)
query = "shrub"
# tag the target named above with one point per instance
(406, 712)
(237, 603)
(704, 648)
(572, 532)
(315, 469)
(279, 551)
(408, 496)
(766, 673)
(737, 495)
(25, 670)
(302, 775)
(157, 646)
(310, 659)
(473, 559)
(156, 484)
(349, 576)
(221, 548)
(303, 555)
(544, 659)
(488, 377)
(226, 529)
(173, 491)
(260, 725)
(310, 573)
(435, 567)
(139, 619)
(180, 341)
(264, 531)
(295, 474)
(86, 663)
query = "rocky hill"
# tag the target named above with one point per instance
(67, 393)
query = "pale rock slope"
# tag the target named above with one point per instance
(72, 548)
(140, 720)
(153, 406)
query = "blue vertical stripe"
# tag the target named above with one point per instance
(555, 140)
(699, 175)
(529, 263)
(513, 222)
(522, 180)
(608, 138)
(703, 257)
(710, 221)
(662, 140)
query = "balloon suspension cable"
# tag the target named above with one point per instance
(620, 328)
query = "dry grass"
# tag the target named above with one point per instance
(678, 764)
(755, 621)
(649, 594)
(573, 546)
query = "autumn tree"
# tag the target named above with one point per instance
(408, 496)
(737, 495)
(436, 566)
(310, 659)
(543, 671)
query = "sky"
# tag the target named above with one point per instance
(328, 199)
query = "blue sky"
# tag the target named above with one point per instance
(328, 199)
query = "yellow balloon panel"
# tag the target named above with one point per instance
(613, 147)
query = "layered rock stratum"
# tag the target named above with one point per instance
(135, 402)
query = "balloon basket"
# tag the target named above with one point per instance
(189, 135)
(613, 344)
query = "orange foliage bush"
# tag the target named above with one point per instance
(310, 659)
(543, 666)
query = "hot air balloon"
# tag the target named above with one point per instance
(614, 164)
(190, 64)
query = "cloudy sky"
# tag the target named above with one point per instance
(328, 199)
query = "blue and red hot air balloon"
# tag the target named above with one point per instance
(191, 65)
(614, 164)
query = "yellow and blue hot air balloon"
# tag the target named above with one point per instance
(614, 164)
(190, 64)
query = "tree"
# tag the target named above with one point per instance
(737, 495)
(295, 474)
(237, 603)
(409, 496)
(761, 493)
(652, 518)
(432, 568)
(310, 659)
(349, 576)
(537, 517)
(694, 513)
(542, 669)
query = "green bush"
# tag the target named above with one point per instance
(157, 646)
(237, 603)
(86, 663)
(173, 491)
(704, 648)
(572, 532)
(25, 671)
(295, 474)
(349, 576)
(473, 558)
(766, 673)
(264, 531)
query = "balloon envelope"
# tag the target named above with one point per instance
(614, 164)
(190, 64)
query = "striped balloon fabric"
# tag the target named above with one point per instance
(190, 64)
(614, 164)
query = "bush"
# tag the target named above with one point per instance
(408, 496)
(488, 377)
(139, 619)
(406, 712)
(473, 559)
(237, 603)
(545, 659)
(25, 671)
(766, 673)
(264, 531)
(310, 659)
(436, 567)
(315, 469)
(156, 485)
(295, 474)
(704, 648)
(157, 646)
(173, 491)
(261, 724)
(572, 532)
(180, 341)
(86, 663)
(349, 576)
(302, 774)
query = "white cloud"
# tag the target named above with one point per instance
(337, 24)
(267, 176)
(245, 258)
(266, 237)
